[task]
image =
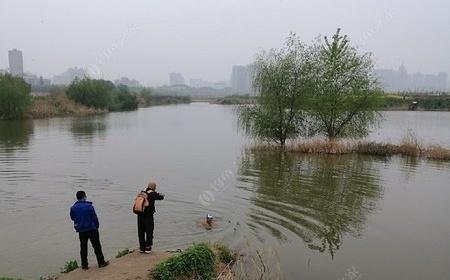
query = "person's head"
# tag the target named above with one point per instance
(151, 186)
(209, 219)
(81, 195)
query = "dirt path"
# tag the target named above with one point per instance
(132, 266)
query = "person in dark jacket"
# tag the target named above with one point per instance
(86, 223)
(145, 221)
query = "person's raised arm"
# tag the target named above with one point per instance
(157, 196)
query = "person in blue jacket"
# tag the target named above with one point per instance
(86, 223)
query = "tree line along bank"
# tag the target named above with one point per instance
(82, 97)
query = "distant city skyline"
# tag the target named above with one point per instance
(15, 59)
(203, 39)
(66, 77)
(240, 78)
(127, 82)
(400, 80)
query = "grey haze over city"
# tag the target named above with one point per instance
(147, 40)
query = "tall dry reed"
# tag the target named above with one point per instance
(408, 146)
(59, 104)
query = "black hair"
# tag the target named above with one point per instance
(81, 195)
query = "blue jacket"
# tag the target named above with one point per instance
(83, 216)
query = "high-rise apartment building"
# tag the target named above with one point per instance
(176, 78)
(400, 80)
(69, 75)
(241, 78)
(15, 62)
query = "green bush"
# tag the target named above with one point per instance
(390, 101)
(102, 94)
(70, 266)
(434, 102)
(196, 262)
(92, 93)
(148, 98)
(146, 95)
(123, 100)
(15, 97)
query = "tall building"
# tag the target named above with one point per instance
(386, 78)
(403, 78)
(36, 81)
(127, 82)
(418, 81)
(69, 75)
(199, 83)
(241, 78)
(442, 81)
(220, 84)
(15, 62)
(176, 78)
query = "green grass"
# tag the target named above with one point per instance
(123, 253)
(48, 278)
(196, 262)
(70, 266)
(225, 255)
(8, 278)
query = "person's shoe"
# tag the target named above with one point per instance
(148, 250)
(103, 264)
(85, 267)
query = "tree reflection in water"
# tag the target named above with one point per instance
(86, 129)
(318, 198)
(16, 133)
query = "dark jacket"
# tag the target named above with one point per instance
(83, 216)
(151, 197)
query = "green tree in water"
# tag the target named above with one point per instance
(343, 89)
(15, 97)
(278, 80)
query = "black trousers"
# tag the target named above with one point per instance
(146, 225)
(94, 236)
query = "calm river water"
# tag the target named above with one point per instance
(328, 217)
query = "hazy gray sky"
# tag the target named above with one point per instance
(147, 39)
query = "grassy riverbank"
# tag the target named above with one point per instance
(82, 97)
(59, 105)
(199, 261)
(156, 100)
(389, 102)
(234, 100)
(424, 102)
